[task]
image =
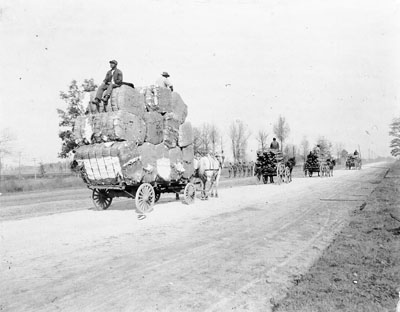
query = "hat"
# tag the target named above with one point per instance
(165, 74)
(114, 61)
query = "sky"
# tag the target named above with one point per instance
(331, 68)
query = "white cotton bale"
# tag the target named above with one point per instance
(171, 130)
(121, 126)
(185, 136)
(154, 127)
(148, 155)
(178, 107)
(175, 155)
(189, 169)
(188, 157)
(157, 99)
(164, 99)
(77, 129)
(188, 153)
(127, 99)
(176, 159)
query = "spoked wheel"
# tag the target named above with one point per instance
(265, 179)
(145, 198)
(157, 196)
(310, 174)
(279, 174)
(101, 199)
(189, 193)
(287, 175)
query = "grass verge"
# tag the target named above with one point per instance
(360, 270)
(26, 185)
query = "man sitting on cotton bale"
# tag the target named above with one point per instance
(113, 80)
(164, 82)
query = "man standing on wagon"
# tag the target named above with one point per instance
(113, 80)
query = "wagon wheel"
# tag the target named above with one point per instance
(145, 198)
(265, 179)
(189, 194)
(310, 173)
(157, 196)
(287, 175)
(101, 199)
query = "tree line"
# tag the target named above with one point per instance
(208, 138)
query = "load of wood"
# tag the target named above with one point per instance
(313, 161)
(142, 137)
(267, 161)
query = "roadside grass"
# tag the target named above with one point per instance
(360, 270)
(26, 185)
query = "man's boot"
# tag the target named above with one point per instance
(105, 102)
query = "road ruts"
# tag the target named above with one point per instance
(236, 256)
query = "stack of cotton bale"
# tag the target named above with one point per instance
(142, 136)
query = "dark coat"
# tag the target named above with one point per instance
(117, 77)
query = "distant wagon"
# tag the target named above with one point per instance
(353, 162)
(270, 163)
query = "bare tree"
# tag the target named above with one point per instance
(305, 147)
(281, 130)
(262, 139)
(238, 134)
(196, 140)
(214, 137)
(290, 150)
(324, 145)
(339, 146)
(205, 138)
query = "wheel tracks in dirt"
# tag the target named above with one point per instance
(152, 272)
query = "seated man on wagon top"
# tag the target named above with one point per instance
(113, 80)
(274, 144)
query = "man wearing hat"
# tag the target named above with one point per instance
(113, 80)
(164, 82)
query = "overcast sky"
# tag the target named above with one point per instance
(331, 68)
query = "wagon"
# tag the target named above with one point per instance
(146, 192)
(309, 169)
(267, 167)
(353, 161)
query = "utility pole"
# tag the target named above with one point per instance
(34, 166)
(19, 165)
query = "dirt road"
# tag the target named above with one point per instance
(237, 252)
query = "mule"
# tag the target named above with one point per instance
(290, 163)
(208, 169)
